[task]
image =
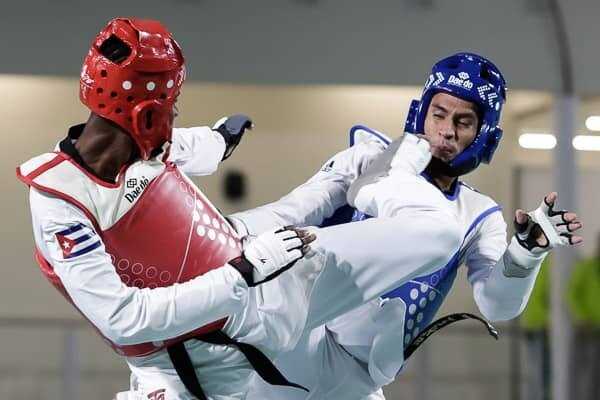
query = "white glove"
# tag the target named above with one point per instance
(271, 253)
(556, 226)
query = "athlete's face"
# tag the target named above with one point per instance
(451, 125)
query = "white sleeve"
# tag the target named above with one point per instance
(318, 198)
(196, 151)
(128, 315)
(499, 293)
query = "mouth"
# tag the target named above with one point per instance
(443, 152)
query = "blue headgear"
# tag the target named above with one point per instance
(472, 78)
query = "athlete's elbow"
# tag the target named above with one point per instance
(115, 337)
(129, 325)
(125, 336)
(113, 333)
(119, 334)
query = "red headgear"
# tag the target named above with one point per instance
(138, 90)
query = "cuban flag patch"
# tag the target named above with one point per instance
(77, 240)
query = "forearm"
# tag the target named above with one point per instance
(307, 205)
(128, 315)
(504, 293)
(196, 151)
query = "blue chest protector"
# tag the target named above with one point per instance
(424, 295)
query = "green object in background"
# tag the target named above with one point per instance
(583, 295)
(535, 315)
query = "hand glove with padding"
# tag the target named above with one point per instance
(271, 253)
(232, 129)
(547, 222)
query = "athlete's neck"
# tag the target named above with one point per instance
(437, 173)
(444, 183)
(104, 147)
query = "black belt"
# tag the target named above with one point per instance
(257, 359)
(442, 322)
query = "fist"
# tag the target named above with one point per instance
(232, 129)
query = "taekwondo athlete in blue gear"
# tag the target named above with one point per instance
(356, 354)
(472, 78)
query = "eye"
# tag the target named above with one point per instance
(464, 123)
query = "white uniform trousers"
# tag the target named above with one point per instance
(349, 265)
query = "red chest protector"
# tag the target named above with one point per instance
(171, 234)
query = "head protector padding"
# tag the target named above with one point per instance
(131, 76)
(475, 79)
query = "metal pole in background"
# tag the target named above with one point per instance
(566, 180)
(563, 259)
(71, 375)
(516, 333)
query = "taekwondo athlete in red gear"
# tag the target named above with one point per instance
(353, 356)
(123, 234)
